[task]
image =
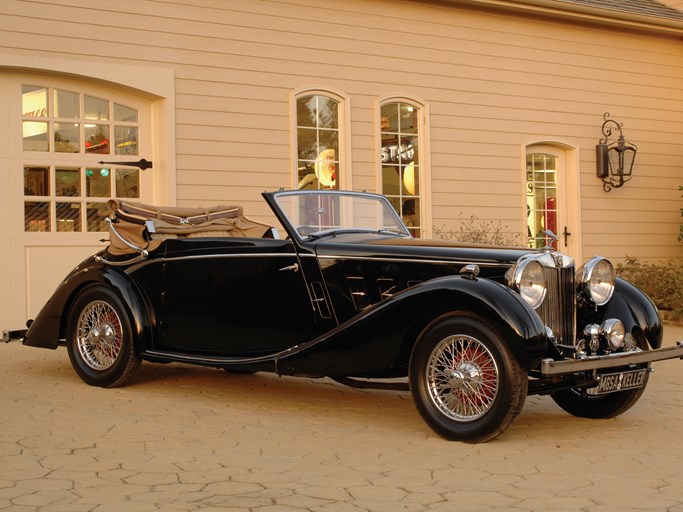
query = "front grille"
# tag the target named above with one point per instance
(558, 310)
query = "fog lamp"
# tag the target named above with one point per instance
(613, 330)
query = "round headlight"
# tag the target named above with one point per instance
(528, 280)
(597, 278)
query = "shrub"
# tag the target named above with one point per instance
(474, 230)
(663, 282)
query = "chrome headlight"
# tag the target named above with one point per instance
(614, 332)
(528, 279)
(597, 280)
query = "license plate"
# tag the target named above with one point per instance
(611, 382)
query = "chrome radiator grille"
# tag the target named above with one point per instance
(558, 310)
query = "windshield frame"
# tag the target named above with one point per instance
(276, 200)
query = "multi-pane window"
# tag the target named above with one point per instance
(541, 198)
(71, 196)
(317, 139)
(400, 161)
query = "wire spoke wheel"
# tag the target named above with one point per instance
(99, 335)
(100, 338)
(465, 381)
(462, 378)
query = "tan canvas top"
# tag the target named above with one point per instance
(146, 226)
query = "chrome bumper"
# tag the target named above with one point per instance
(8, 336)
(552, 367)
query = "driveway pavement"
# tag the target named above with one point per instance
(184, 438)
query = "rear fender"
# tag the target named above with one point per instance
(49, 327)
(382, 336)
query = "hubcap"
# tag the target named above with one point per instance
(99, 335)
(462, 378)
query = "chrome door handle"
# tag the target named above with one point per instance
(294, 268)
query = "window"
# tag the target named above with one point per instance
(67, 126)
(317, 141)
(541, 198)
(399, 152)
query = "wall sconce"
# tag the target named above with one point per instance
(615, 159)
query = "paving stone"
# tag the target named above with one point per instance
(181, 438)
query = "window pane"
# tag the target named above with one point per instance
(126, 140)
(34, 101)
(306, 111)
(328, 116)
(328, 139)
(390, 180)
(408, 118)
(127, 183)
(307, 143)
(125, 114)
(541, 198)
(95, 108)
(97, 138)
(68, 217)
(67, 137)
(36, 216)
(410, 182)
(97, 183)
(96, 215)
(66, 105)
(36, 181)
(35, 136)
(317, 111)
(68, 182)
(390, 117)
(307, 178)
(410, 211)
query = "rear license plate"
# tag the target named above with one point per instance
(612, 382)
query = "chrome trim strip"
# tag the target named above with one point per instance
(552, 367)
(210, 256)
(412, 260)
(176, 356)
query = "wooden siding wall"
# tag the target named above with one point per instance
(493, 82)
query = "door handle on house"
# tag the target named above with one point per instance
(566, 234)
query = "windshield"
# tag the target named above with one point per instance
(320, 213)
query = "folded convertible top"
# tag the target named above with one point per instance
(146, 226)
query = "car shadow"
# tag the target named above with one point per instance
(318, 401)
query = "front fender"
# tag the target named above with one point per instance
(639, 314)
(49, 327)
(381, 337)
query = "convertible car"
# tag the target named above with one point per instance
(346, 292)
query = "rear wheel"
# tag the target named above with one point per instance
(100, 338)
(466, 383)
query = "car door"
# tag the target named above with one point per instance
(233, 297)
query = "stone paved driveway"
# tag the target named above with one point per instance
(184, 438)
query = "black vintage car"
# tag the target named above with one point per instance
(348, 294)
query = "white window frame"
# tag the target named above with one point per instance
(424, 138)
(344, 113)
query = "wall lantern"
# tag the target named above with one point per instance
(614, 159)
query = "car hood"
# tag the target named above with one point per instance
(376, 246)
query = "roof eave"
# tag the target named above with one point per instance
(585, 13)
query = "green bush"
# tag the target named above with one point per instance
(663, 282)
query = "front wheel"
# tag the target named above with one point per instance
(466, 383)
(578, 402)
(100, 338)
